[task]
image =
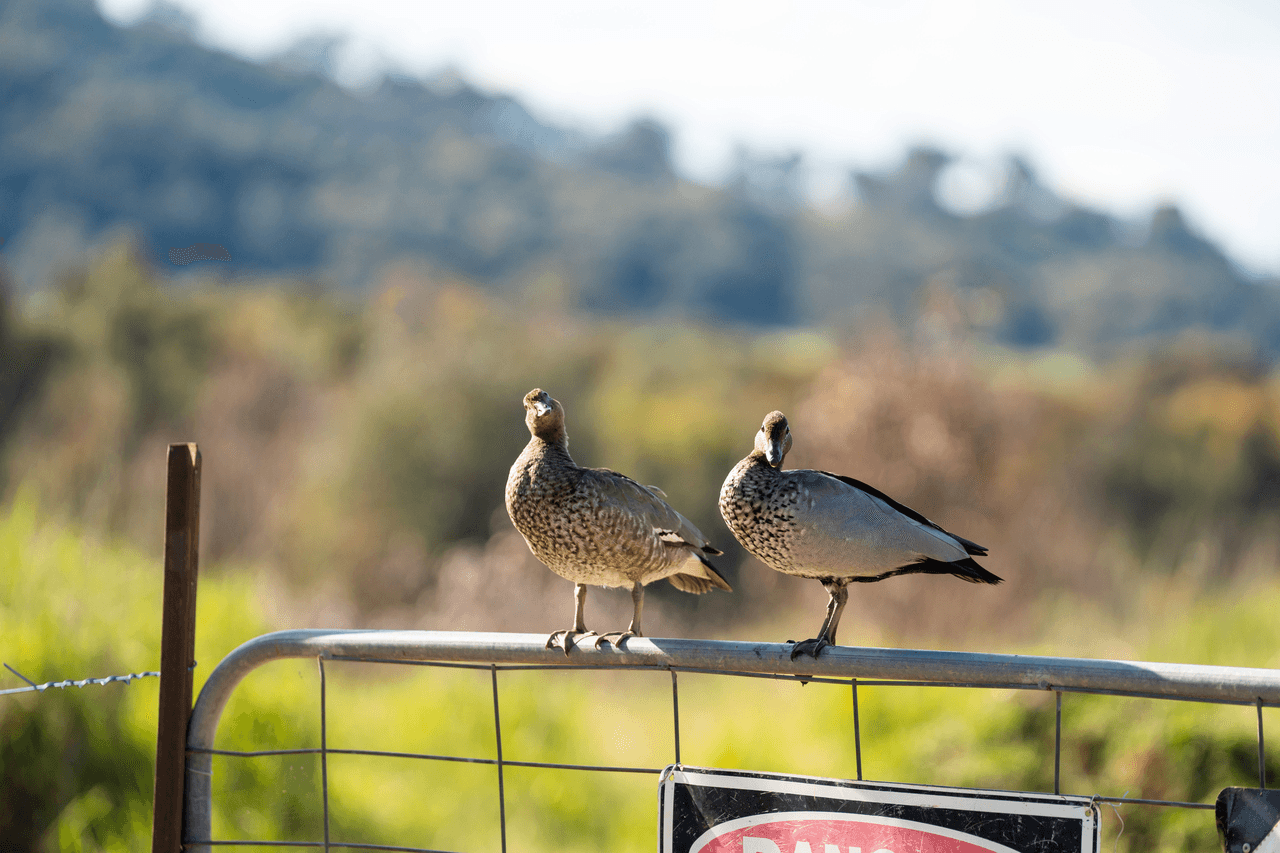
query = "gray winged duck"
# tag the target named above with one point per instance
(833, 529)
(596, 527)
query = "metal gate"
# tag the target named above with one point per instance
(844, 665)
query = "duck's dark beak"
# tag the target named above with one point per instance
(542, 404)
(773, 451)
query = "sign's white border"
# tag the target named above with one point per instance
(1270, 844)
(964, 799)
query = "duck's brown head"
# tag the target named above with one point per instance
(774, 439)
(545, 417)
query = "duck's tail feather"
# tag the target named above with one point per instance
(706, 580)
(965, 569)
(970, 547)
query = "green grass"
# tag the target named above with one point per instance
(76, 765)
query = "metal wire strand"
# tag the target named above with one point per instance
(675, 713)
(1057, 745)
(879, 682)
(324, 751)
(1141, 802)
(311, 844)
(82, 682)
(1262, 755)
(379, 753)
(497, 731)
(857, 730)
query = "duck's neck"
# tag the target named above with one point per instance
(555, 444)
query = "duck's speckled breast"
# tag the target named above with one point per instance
(573, 530)
(759, 505)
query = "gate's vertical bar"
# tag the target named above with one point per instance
(324, 751)
(1057, 745)
(177, 644)
(675, 712)
(857, 729)
(1262, 755)
(497, 732)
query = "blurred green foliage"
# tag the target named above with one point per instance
(354, 460)
(77, 764)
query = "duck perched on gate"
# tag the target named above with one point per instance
(834, 529)
(597, 527)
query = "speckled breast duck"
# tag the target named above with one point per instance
(596, 527)
(833, 529)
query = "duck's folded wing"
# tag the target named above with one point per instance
(838, 515)
(970, 547)
(626, 495)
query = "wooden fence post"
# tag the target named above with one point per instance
(177, 643)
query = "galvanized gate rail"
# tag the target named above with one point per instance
(850, 665)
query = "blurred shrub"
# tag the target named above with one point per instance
(1195, 458)
(359, 450)
(76, 765)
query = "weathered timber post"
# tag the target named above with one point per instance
(177, 643)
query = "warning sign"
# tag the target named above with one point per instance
(1249, 820)
(733, 811)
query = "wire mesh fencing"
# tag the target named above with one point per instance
(502, 657)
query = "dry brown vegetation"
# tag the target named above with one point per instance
(355, 453)
(354, 461)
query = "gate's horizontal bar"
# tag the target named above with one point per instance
(1187, 681)
(1157, 680)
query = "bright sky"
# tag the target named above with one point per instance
(1121, 104)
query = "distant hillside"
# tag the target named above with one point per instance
(102, 126)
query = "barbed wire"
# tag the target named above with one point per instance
(82, 682)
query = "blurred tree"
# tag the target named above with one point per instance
(912, 190)
(642, 151)
(774, 182)
(294, 174)
(26, 361)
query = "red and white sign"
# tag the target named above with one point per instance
(735, 811)
(818, 832)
